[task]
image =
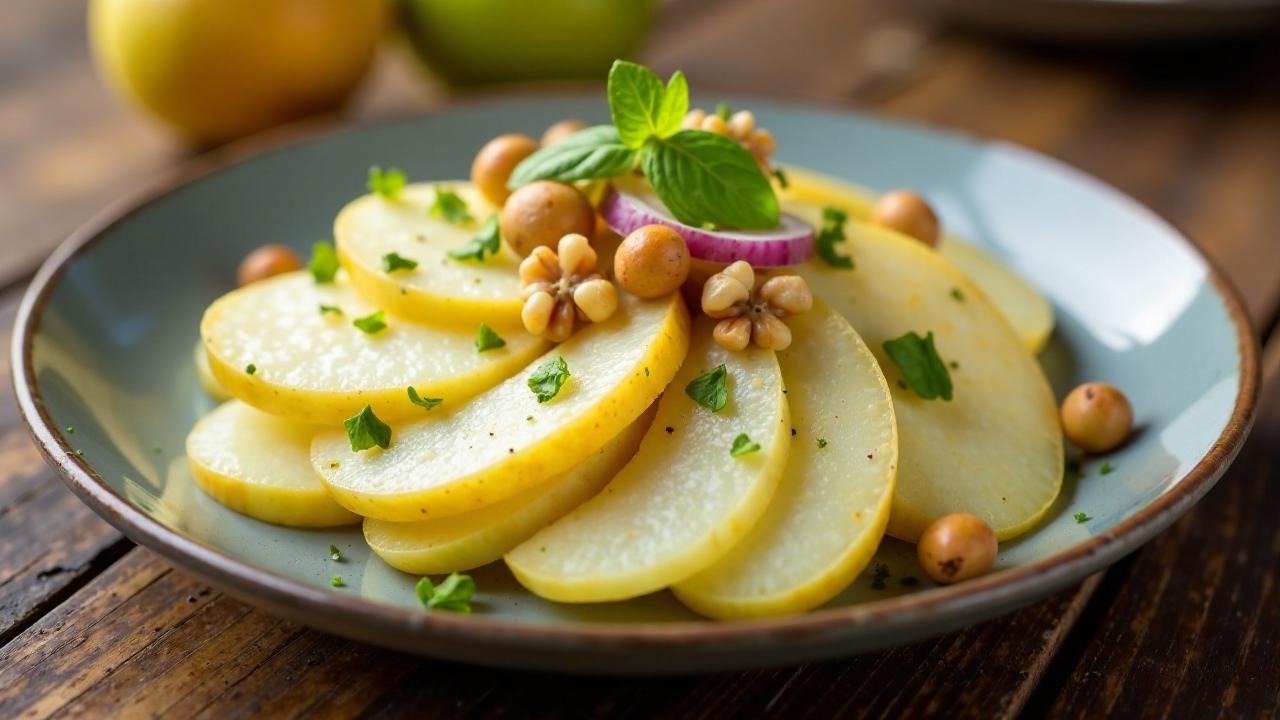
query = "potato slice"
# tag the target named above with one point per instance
(682, 501)
(829, 513)
(259, 465)
(995, 450)
(317, 367)
(469, 540)
(504, 441)
(441, 290)
(1022, 305)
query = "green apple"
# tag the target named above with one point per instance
(469, 42)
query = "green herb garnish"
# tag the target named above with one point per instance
(453, 593)
(724, 111)
(1081, 518)
(1106, 469)
(371, 323)
(365, 430)
(386, 183)
(548, 378)
(250, 369)
(487, 339)
(330, 309)
(336, 581)
(394, 261)
(489, 240)
(881, 573)
(710, 389)
(416, 399)
(822, 443)
(596, 152)
(71, 430)
(334, 553)
(742, 445)
(957, 295)
(324, 262)
(448, 206)
(781, 177)
(832, 232)
(918, 360)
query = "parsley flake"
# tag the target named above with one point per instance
(416, 399)
(330, 309)
(957, 295)
(71, 430)
(881, 573)
(742, 445)
(449, 207)
(1106, 469)
(371, 323)
(548, 378)
(781, 177)
(487, 339)
(710, 389)
(1081, 518)
(921, 367)
(394, 261)
(453, 593)
(334, 553)
(324, 262)
(832, 232)
(365, 430)
(250, 369)
(386, 183)
(336, 581)
(822, 442)
(488, 240)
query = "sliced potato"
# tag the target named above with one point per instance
(441, 290)
(505, 441)
(204, 374)
(682, 501)
(317, 367)
(829, 513)
(469, 540)
(259, 465)
(995, 450)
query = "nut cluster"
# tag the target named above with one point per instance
(562, 287)
(749, 314)
(740, 126)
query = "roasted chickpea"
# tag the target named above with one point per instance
(652, 261)
(266, 261)
(957, 547)
(492, 167)
(561, 130)
(542, 212)
(1096, 417)
(909, 214)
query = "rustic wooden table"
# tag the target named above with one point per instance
(1189, 625)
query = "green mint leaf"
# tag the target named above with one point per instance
(324, 262)
(832, 232)
(742, 445)
(365, 430)
(487, 339)
(394, 261)
(673, 107)
(416, 399)
(724, 111)
(1081, 518)
(330, 309)
(250, 369)
(336, 581)
(372, 323)
(449, 207)
(334, 553)
(635, 102)
(454, 593)
(388, 183)
(918, 360)
(488, 240)
(710, 389)
(781, 176)
(548, 378)
(703, 177)
(590, 154)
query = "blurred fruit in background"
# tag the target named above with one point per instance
(219, 69)
(469, 42)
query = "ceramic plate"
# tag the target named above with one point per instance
(104, 342)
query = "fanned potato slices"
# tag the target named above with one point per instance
(441, 289)
(504, 441)
(259, 465)
(995, 450)
(829, 513)
(683, 500)
(469, 540)
(316, 366)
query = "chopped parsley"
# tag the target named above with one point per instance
(710, 389)
(416, 399)
(330, 309)
(449, 207)
(250, 369)
(724, 111)
(336, 581)
(781, 176)
(324, 262)
(386, 183)
(957, 295)
(71, 430)
(371, 323)
(365, 430)
(917, 358)
(452, 594)
(832, 232)
(487, 339)
(488, 240)
(548, 378)
(1106, 469)
(742, 445)
(1081, 518)
(334, 553)
(822, 442)
(880, 574)
(394, 261)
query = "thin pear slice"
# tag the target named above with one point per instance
(317, 367)
(259, 465)
(829, 513)
(469, 540)
(504, 441)
(683, 500)
(441, 289)
(995, 449)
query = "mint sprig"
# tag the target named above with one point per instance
(596, 152)
(918, 360)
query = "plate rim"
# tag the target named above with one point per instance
(1005, 589)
